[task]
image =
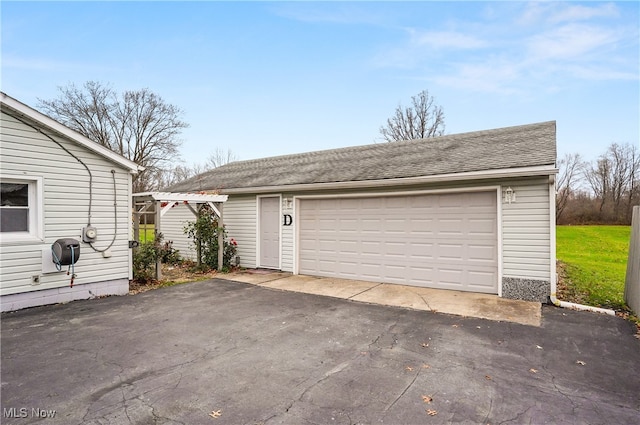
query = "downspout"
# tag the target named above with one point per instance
(553, 274)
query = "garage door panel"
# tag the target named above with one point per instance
(442, 241)
(450, 276)
(347, 247)
(450, 226)
(480, 280)
(482, 252)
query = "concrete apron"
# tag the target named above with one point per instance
(470, 304)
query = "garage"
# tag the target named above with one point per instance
(471, 211)
(435, 240)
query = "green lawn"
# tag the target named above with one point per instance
(596, 259)
(147, 232)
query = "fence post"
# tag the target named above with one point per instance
(632, 281)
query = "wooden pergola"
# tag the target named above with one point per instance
(164, 201)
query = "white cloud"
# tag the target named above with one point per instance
(533, 13)
(581, 13)
(571, 41)
(602, 73)
(493, 76)
(423, 45)
(548, 47)
(554, 13)
(446, 39)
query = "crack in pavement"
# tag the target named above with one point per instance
(517, 417)
(402, 393)
(337, 369)
(366, 290)
(423, 299)
(394, 341)
(486, 418)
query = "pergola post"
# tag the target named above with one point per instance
(136, 225)
(220, 238)
(157, 231)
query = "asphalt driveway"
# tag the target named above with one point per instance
(232, 353)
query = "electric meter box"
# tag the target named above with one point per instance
(66, 251)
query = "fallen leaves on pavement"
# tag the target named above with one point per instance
(427, 399)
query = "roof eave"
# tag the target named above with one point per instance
(65, 131)
(537, 171)
(179, 197)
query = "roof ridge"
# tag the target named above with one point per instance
(372, 145)
(507, 147)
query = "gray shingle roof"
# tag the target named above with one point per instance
(509, 147)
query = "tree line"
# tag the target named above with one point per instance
(143, 127)
(601, 191)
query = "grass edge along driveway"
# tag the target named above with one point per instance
(595, 259)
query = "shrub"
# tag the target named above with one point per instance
(204, 236)
(146, 255)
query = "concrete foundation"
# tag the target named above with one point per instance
(62, 295)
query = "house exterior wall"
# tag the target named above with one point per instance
(525, 232)
(527, 241)
(63, 191)
(240, 216)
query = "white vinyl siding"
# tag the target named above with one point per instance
(239, 220)
(288, 235)
(65, 193)
(172, 228)
(239, 214)
(525, 230)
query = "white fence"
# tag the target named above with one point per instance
(632, 281)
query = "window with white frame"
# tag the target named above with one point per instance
(20, 209)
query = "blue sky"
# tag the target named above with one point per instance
(273, 78)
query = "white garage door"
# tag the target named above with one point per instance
(444, 241)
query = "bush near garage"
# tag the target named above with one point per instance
(147, 254)
(203, 233)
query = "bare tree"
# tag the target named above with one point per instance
(138, 125)
(220, 157)
(162, 178)
(620, 174)
(421, 120)
(173, 175)
(633, 195)
(614, 181)
(599, 179)
(568, 178)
